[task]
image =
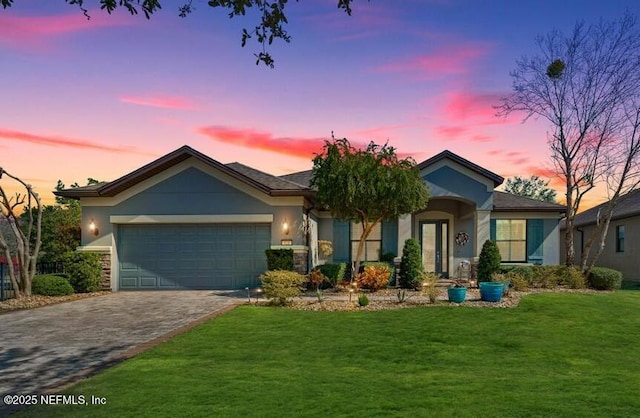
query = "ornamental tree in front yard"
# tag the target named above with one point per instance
(25, 236)
(368, 185)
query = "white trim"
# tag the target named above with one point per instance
(184, 165)
(95, 249)
(190, 219)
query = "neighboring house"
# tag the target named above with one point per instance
(621, 246)
(186, 221)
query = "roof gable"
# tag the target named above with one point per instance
(263, 182)
(446, 154)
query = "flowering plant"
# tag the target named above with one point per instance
(326, 247)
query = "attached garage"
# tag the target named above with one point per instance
(191, 256)
(187, 221)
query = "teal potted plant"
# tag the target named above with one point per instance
(457, 292)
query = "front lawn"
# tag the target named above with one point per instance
(556, 355)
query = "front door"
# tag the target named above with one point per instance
(434, 237)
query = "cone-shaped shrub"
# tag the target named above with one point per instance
(489, 261)
(411, 268)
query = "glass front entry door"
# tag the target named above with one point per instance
(434, 236)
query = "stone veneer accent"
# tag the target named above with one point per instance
(300, 261)
(105, 261)
(105, 279)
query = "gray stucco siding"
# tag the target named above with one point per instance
(459, 184)
(191, 191)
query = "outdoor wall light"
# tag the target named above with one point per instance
(285, 227)
(93, 228)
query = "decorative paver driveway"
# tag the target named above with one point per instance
(43, 348)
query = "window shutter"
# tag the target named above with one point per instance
(535, 240)
(341, 241)
(492, 231)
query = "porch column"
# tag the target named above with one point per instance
(404, 231)
(482, 229)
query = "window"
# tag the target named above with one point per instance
(372, 245)
(511, 237)
(620, 238)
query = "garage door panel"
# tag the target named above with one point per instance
(186, 256)
(148, 282)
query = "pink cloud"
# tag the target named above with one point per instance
(378, 133)
(37, 32)
(60, 141)
(451, 132)
(300, 147)
(165, 102)
(472, 105)
(482, 138)
(454, 60)
(246, 137)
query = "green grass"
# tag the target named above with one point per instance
(556, 355)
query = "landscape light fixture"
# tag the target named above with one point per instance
(93, 228)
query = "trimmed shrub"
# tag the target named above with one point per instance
(489, 261)
(363, 300)
(546, 277)
(519, 282)
(334, 272)
(374, 277)
(281, 259)
(571, 277)
(602, 278)
(282, 285)
(84, 270)
(51, 285)
(411, 267)
(524, 271)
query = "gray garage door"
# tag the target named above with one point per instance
(189, 256)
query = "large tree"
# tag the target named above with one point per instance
(368, 185)
(533, 187)
(270, 13)
(60, 225)
(26, 237)
(586, 85)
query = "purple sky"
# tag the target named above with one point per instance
(101, 98)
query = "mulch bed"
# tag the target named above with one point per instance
(36, 301)
(387, 300)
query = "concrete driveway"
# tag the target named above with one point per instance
(44, 348)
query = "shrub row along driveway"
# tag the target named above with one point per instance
(50, 346)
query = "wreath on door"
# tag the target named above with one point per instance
(462, 238)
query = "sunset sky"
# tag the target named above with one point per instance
(99, 98)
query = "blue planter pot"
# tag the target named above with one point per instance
(457, 294)
(491, 291)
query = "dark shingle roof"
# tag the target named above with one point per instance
(628, 205)
(270, 181)
(266, 183)
(503, 201)
(302, 178)
(497, 180)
